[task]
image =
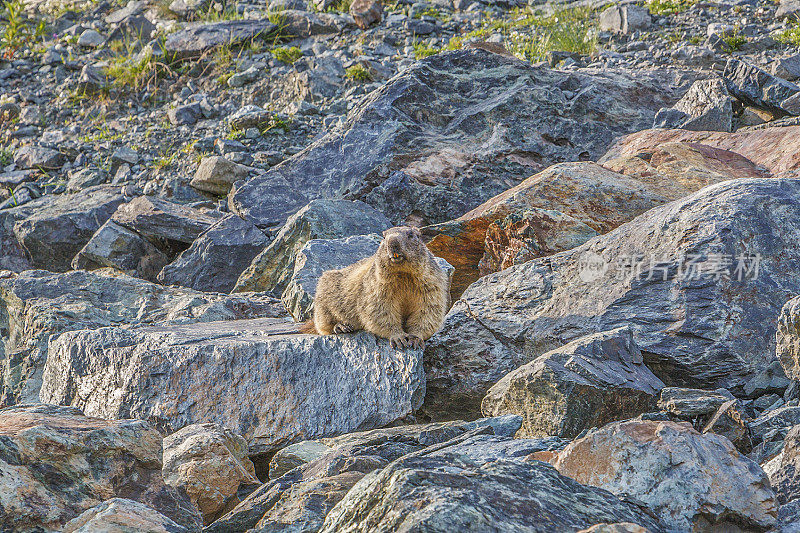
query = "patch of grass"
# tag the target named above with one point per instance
(341, 6)
(6, 156)
(275, 123)
(530, 36)
(136, 71)
(105, 134)
(791, 35)
(734, 42)
(358, 73)
(17, 30)
(165, 160)
(695, 39)
(217, 12)
(432, 12)
(287, 54)
(422, 50)
(669, 7)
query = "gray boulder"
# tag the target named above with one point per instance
(120, 248)
(36, 306)
(120, 514)
(254, 376)
(691, 403)
(454, 130)
(57, 463)
(785, 475)
(216, 175)
(625, 19)
(47, 232)
(300, 499)
(756, 87)
(787, 8)
(451, 488)
(32, 156)
(707, 106)
(788, 338)
(674, 275)
(273, 268)
(588, 383)
(693, 482)
(165, 223)
(216, 259)
(196, 39)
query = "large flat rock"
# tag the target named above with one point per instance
(683, 276)
(36, 306)
(257, 377)
(454, 130)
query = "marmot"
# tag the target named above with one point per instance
(399, 293)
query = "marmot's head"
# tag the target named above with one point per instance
(402, 249)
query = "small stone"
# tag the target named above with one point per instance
(187, 114)
(295, 455)
(366, 12)
(624, 19)
(216, 175)
(123, 155)
(689, 403)
(38, 157)
(91, 39)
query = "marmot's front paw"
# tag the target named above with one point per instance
(343, 328)
(407, 340)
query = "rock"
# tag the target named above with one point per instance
(172, 226)
(217, 257)
(787, 8)
(619, 527)
(476, 146)
(84, 178)
(754, 86)
(451, 489)
(296, 386)
(326, 478)
(787, 68)
(588, 383)
(209, 462)
(691, 403)
(123, 156)
(708, 105)
(37, 306)
(624, 19)
(555, 210)
(366, 12)
(119, 515)
(32, 156)
(788, 338)
(782, 417)
(216, 175)
(49, 231)
(770, 148)
(186, 114)
(250, 116)
(680, 323)
(240, 79)
(296, 455)
(92, 80)
(196, 39)
(272, 270)
(693, 482)
(91, 39)
(785, 477)
(117, 247)
(789, 518)
(302, 24)
(58, 463)
(771, 379)
(731, 423)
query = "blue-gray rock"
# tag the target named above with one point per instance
(199, 38)
(452, 131)
(186, 114)
(49, 231)
(681, 275)
(216, 258)
(167, 224)
(39, 305)
(32, 156)
(456, 487)
(257, 377)
(587, 383)
(788, 338)
(756, 87)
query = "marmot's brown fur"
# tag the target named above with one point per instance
(399, 293)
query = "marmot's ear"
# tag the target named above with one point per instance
(385, 232)
(416, 231)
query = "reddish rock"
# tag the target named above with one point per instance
(775, 149)
(366, 12)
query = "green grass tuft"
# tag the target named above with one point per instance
(358, 73)
(286, 54)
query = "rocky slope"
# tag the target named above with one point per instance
(612, 187)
